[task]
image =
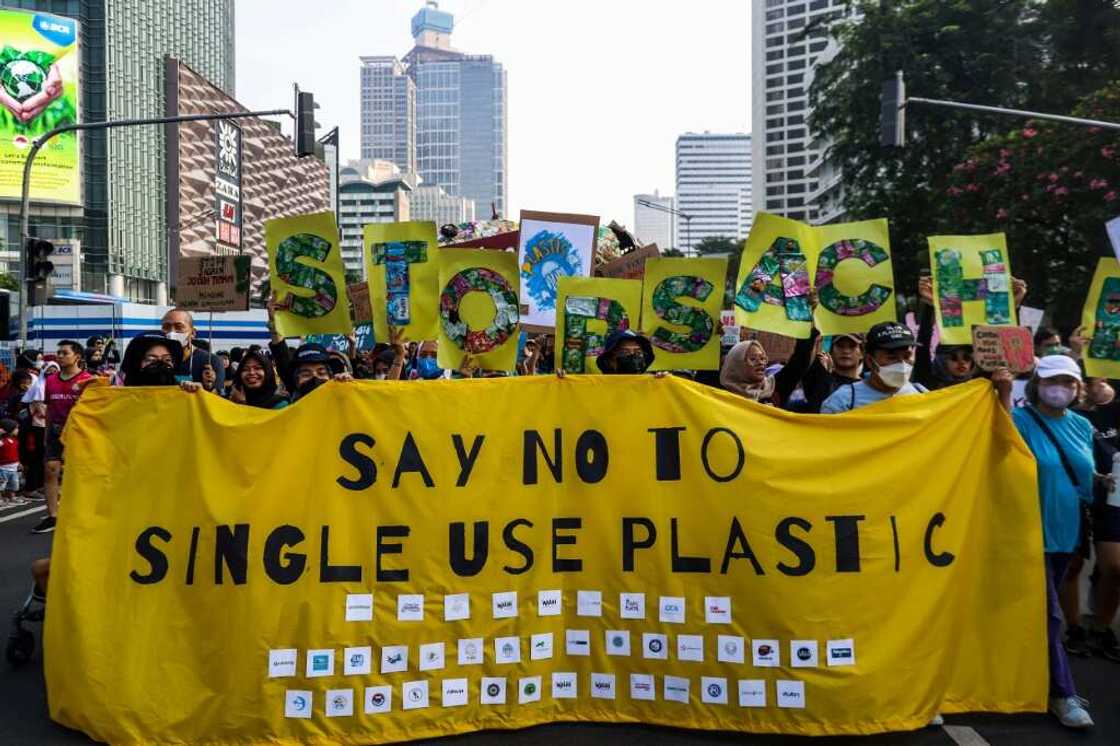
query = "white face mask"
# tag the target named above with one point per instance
(1056, 396)
(380, 376)
(895, 375)
(181, 337)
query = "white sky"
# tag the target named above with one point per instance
(598, 90)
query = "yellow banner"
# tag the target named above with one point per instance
(402, 263)
(1101, 319)
(772, 291)
(853, 295)
(478, 308)
(588, 309)
(971, 284)
(499, 553)
(681, 301)
(306, 269)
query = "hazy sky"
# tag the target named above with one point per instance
(598, 89)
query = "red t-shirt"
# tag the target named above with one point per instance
(9, 450)
(61, 395)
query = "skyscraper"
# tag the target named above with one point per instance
(388, 113)
(789, 163)
(713, 187)
(652, 225)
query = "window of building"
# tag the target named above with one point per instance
(775, 191)
(776, 54)
(795, 79)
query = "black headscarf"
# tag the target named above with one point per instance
(264, 397)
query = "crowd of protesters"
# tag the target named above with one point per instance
(1071, 423)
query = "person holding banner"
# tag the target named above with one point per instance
(178, 324)
(624, 352)
(841, 366)
(1062, 444)
(427, 369)
(312, 367)
(255, 383)
(890, 358)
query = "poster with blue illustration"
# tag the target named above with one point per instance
(552, 245)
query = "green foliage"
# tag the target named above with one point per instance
(7, 282)
(734, 251)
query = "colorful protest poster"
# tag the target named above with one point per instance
(971, 284)
(1010, 347)
(854, 279)
(1101, 319)
(552, 245)
(681, 302)
(213, 283)
(307, 275)
(402, 264)
(478, 308)
(772, 291)
(588, 309)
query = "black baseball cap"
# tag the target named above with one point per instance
(890, 335)
(313, 352)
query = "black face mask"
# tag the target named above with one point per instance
(634, 362)
(307, 387)
(156, 374)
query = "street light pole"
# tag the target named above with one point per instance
(25, 202)
(663, 208)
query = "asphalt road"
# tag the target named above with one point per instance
(24, 719)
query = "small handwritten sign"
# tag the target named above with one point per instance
(1003, 347)
(213, 283)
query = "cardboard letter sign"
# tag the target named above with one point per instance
(1003, 347)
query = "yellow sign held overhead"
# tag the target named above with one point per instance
(307, 274)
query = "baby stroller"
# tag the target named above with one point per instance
(21, 643)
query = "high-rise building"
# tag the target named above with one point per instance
(653, 225)
(430, 202)
(369, 191)
(122, 224)
(713, 187)
(388, 112)
(459, 119)
(789, 37)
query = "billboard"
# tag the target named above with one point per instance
(39, 64)
(227, 182)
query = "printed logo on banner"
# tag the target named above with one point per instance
(690, 648)
(632, 605)
(456, 607)
(602, 686)
(282, 663)
(842, 652)
(297, 703)
(505, 605)
(729, 649)
(676, 689)
(410, 608)
(577, 641)
(454, 692)
(589, 603)
(470, 651)
(549, 603)
(643, 687)
(752, 693)
(529, 690)
(394, 658)
(655, 646)
(507, 650)
(540, 646)
(414, 695)
(359, 607)
(671, 609)
(432, 656)
(493, 691)
(563, 685)
(320, 663)
(713, 690)
(717, 609)
(340, 702)
(379, 699)
(765, 653)
(356, 661)
(617, 642)
(803, 653)
(791, 694)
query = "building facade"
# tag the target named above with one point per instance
(653, 225)
(369, 191)
(429, 202)
(388, 112)
(789, 37)
(713, 187)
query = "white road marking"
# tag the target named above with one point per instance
(21, 514)
(962, 735)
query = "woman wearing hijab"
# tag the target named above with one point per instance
(255, 383)
(744, 372)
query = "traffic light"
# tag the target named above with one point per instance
(39, 266)
(892, 112)
(305, 123)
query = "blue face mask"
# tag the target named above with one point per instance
(428, 368)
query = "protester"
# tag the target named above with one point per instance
(625, 351)
(842, 365)
(9, 463)
(890, 359)
(1062, 444)
(255, 383)
(178, 324)
(101, 355)
(745, 372)
(151, 359)
(426, 367)
(1047, 341)
(30, 359)
(312, 367)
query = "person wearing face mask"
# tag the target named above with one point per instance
(624, 352)
(151, 359)
(255, 383)
(890, 359)
(312, 366)
(427, 369)
(178, 325)
(1062, 444)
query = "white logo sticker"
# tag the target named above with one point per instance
(655, 646)
(359, 607)
(717, 609)
(297, 703)
(282, 663)
(454, 692)
(356, 661)
(320, 663)
(842, 652)
(632, 605)
(470, 651)
(507, 649)
(676, 689)
(456, 607)
(379, 699)
(340, 703)
(505, 605)
(617, 642)
(803, 653)
(432, 656)
(394, 658)
(589, 603)
(529, 690)
(577, 641)
(493, 691)
(602, 685)
(752, 693)
(549, 603)
(765, 653)
(414, 695)
(713, 690)
(410, 607)
(642, 686)
(671, 609)
(564, 685)
(690, 648)
(791, 694)
(729, 649)
(540, 646)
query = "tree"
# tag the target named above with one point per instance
(734, 251)
(7, 282)
(1014, 53)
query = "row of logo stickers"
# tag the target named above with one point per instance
(1101, 319)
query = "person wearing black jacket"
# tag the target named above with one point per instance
(842, 365)
(255, 383)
